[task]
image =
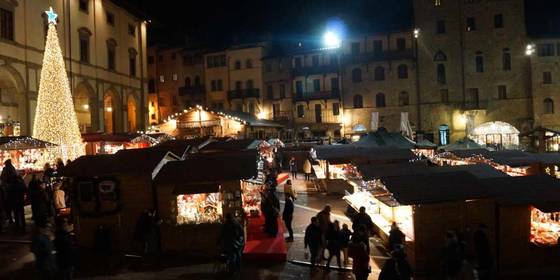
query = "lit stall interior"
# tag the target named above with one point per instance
(545, 227)
(448, 158)
(382, 207)
(26, 153)
(200, 208)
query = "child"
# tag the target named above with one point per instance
(345, 234)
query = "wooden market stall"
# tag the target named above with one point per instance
(202, 122)
(110, 194)
(101, 143)
(334, 163)
(26, 153)
(194, 194)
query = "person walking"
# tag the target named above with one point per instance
(65, 251)
(362, 219)
(334, 239)
(324, 218)
(359, 253)
(484, 261)
(232, 242)
(42, 247)
(288, 215)
(43, 206)
(361, 235)
(17, 201)
(396, 237)
(8, 179)
(451, 256)
(345, 234)
(293, 167)
(397, 267)
(307, 169)
(312, 240)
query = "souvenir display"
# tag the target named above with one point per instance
(199, 208)
(545, 227)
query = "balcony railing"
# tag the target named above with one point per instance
(244, 93)
(318, 95)
(192, 90)
(378, 56)
(313, 70)
(281, 116)
(325, 116)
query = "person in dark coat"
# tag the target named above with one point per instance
(293, 167)
(362, 218)
(451, 256)
(42, 247)
(397, 267)
(48, 173)
(288, 215)
(312, 240)
(345, 234)
(483, 253)
(334, 240)
(17, 201)
(396, 237)
(65, 251)
(359, 252)
(361, 235)
(8, 180)
(33, 189)
(232, 241)
(43, 205)
(271, 212)
(59, 167)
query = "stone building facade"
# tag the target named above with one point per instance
(473, 68)
(277, 80)
(545, 76)
(104, 47)
(245, 82)
(379, 82)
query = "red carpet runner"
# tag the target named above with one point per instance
(262, 247)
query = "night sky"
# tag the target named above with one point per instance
(221, 22)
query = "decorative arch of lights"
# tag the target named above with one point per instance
(497, 133)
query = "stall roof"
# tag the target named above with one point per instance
(513, 158)
(230, 145)
(338, 154)
(124, 161)
(480, 171)
(179, 147)
(425, 144)
(463, 144)
(22, 143)
(103, 137)
(252, 120)
(383, 138)
(436, 188)
(541, 191)
(208, 168)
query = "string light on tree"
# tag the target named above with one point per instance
(55, 118)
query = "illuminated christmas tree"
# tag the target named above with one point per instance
(55, 118)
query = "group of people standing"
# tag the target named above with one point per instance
(52, 231)
(323, 235)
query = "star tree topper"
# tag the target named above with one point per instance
(51, 15)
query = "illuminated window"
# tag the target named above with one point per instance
(443, 134)
(437, 3)
(471, 24)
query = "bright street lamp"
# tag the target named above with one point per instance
(331, 40)
(530, 49)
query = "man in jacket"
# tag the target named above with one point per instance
(312, 240)
(288, 215)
